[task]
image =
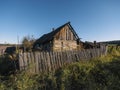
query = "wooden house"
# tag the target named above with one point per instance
(60, 39)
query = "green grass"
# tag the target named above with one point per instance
(97, 74)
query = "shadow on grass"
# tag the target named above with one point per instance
(7, 66)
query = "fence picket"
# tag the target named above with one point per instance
(25, 61)
(21, 62)
(36, 63)
(32, 62)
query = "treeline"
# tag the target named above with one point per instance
(115, 42)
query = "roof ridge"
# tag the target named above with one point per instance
(62, 25)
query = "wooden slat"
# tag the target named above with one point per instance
(42, 62)
(25, 60)
(29, 62)
(51, 61)
(21, 62)
(36, 63)
(39, 60)
(48, 61)
(33, 62)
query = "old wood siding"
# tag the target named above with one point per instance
(64, 40)
(60, 45)
(65, 34)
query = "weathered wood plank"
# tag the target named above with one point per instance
(48, 61)
(25, 60)
(32, 62)
(36, 63)
(21, 62)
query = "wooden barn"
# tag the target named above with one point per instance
(60, 39)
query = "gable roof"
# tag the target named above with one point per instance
(49, 36)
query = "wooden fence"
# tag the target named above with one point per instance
(50, 61)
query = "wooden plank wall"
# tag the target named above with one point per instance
(37, 62)
(65, 34)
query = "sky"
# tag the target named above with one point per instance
(92, 19)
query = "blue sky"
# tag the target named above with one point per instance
(92, 19)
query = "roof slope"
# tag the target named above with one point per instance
(49, 36)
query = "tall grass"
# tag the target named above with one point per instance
(96, 74)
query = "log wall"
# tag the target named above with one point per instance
(62, 45)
